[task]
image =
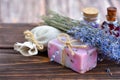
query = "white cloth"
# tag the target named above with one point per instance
(26, 48)
(43, 34)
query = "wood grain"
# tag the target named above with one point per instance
(14, 66)
(11, 33)
(21, 11)
(29, 11)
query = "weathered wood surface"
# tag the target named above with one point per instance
(14, 66)
(10, 33)
(29, 11)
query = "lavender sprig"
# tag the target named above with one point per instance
(60, 22)
(108, 45)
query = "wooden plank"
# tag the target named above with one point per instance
(68, 8)
(14, 66)
(29, 11)
(21, 11)
(12, 33)
(59, 6)
(73, 9)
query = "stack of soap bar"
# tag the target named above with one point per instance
(84, 59)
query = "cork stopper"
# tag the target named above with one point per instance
(111, 13)
(90, 12)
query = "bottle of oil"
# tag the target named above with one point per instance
(111, 25)
(90, 17)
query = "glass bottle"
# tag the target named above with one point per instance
(111, 25)
(90, 17)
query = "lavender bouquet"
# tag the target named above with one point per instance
(108, 45)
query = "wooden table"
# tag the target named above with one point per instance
(14, 66)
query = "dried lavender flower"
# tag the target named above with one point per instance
(108, 45)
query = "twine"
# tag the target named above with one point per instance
(30, 37)
(68, 43)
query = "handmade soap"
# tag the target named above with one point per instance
(79, 57)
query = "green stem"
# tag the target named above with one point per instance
(60, 22)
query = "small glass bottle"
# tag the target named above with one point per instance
(111, 25)
(90, 17)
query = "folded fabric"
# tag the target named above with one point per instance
(38, 39)
(43, 34)
(26, 48)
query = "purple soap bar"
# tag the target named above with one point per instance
(84, 59)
